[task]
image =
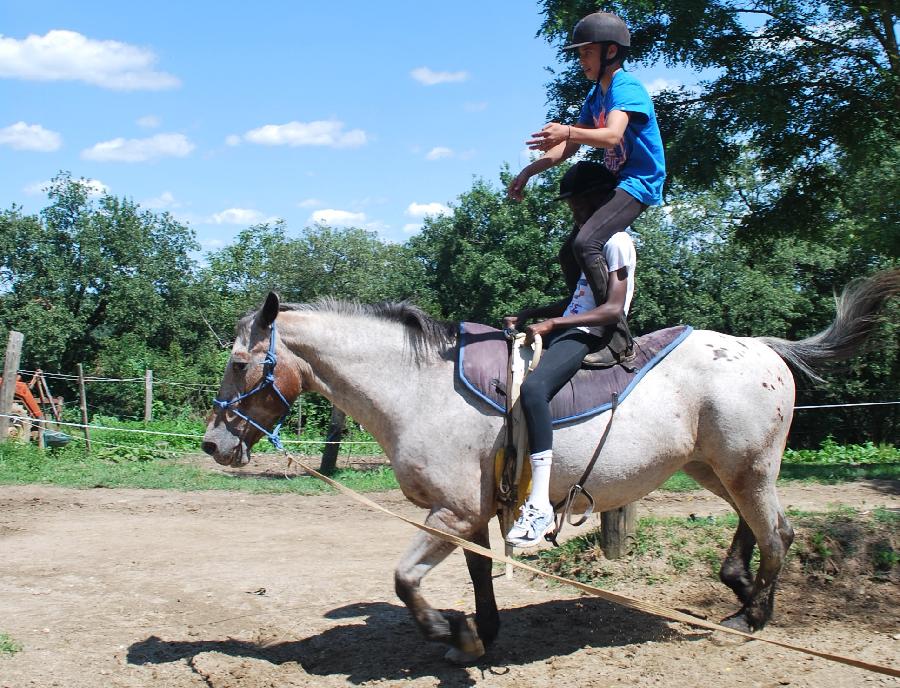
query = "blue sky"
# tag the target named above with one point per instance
(227, 114)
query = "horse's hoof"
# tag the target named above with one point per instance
(460, 658)
(737, 622)
(468, 645)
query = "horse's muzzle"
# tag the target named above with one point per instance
(238, 456)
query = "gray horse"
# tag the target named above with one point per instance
(718, 407)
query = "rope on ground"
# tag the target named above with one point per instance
(616, 598)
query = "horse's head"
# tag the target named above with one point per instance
(256, 390)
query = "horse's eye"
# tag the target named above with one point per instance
(239, 366)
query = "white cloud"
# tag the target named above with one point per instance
(240, 216)
(429, 77)
(95, 188)
(439, 152)
(424, 209)
(309, 203)
(69, 56)
(330, 216)
(30, 137)
(233, 140)
(140, 150)
(412, 227)
(165, 200)
(149, 121)
(661, 84)
(319, 133)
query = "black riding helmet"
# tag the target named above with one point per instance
(585, 176)
(600, 27)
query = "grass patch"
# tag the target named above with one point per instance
(71, 466)
(840, 542)
(830, 452)
(8, 645)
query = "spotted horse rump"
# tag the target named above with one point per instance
(483, 358)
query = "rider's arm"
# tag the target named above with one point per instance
(609, 136)
(606, 313)
(551, 310)
(551, 157)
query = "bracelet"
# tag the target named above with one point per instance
(569, 132)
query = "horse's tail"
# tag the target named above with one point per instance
(857, 316)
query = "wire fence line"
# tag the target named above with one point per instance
(161, 433)
(87, 378)
(109, 428)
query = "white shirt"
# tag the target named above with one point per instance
(619, 253)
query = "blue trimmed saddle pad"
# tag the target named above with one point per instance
(483, 360)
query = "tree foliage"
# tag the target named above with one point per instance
(812, 87)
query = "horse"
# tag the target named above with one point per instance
(717, 407)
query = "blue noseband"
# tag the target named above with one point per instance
(267, 382)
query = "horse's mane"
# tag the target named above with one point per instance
(427, 335)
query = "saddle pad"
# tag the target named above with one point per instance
(483, 359)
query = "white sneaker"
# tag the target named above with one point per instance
(530, 527)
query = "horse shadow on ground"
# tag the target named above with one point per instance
(388, 646)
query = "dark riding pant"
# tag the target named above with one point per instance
(560, 360)
(613, 216)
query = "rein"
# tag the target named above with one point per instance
(268, 382)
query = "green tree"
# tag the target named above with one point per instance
(813, 87)
(87, 271)
(491, 256)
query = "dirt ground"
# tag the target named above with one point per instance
(129, 588)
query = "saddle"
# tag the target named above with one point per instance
(482, 369)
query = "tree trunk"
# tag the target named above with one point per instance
(335, 432)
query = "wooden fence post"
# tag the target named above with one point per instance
(618, 528)
(335, 432)
(299, 415)
(148, 395)
(83, 403)
(8, 388)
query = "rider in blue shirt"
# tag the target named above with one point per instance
(618, 117)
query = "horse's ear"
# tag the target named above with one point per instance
(269, 310)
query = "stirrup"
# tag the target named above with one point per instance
(563, 511)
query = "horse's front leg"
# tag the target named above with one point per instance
(424, 554)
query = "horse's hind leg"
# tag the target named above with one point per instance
(754, 495)
(735, 571)
(424, 554)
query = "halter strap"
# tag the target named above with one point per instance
(268, 381)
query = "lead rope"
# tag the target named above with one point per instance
(615, 598)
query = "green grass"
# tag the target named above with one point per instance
(73, 467)
(8, 646)
(152, 461)
(827, 544)
(826, 474)
(844, 455)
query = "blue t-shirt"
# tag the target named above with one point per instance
(638, 160)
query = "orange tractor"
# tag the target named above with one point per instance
(27, 414)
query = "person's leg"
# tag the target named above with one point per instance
(613, 216)
(558, 364)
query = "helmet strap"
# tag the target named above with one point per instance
(604, 62)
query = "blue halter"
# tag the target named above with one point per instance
(268, 381)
